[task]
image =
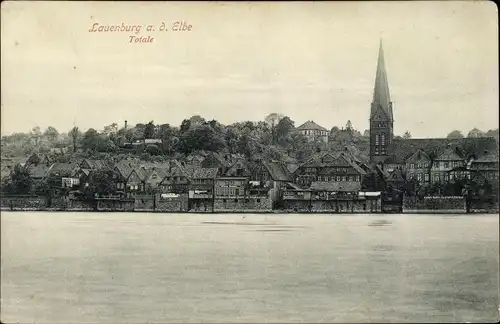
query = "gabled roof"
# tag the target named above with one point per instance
(38, 171)
(342, 186)
(311, 125)
(205, 173)
(278, 171)
(396, 176)
(487, 157)
(63, 169)
(381, 96)
(96, 164)
(418, 156)
(449, 154)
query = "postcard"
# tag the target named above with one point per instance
(249, 162)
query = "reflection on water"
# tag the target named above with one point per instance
(138, 268)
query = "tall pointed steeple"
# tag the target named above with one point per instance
(381, 96)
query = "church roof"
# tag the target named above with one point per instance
(381, 96)
(310, 125)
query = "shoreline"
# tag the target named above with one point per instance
(410, 212)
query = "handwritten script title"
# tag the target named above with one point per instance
(176, 26)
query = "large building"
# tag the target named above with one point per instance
(429, 160)
(381, 116)
(313, 131)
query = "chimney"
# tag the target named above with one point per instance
(125, 125)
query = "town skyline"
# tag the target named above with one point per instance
(441, 76)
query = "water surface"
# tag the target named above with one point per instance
(138, 268)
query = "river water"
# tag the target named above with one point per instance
(139, 268)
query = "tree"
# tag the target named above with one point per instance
(90, 139)
(36, 134)
(74, 133)
(272, 120)
(20, 181)
(149, 130)
(51, 133)
(366, 133)
(475, 133)
(348, 126)
(284, 128)
(153, 149)
(185, 125)
(101, 182)
(456, 134)
(407, 135)
(197, 120)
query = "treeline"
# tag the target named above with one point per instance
(276, 137)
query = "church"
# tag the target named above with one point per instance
(429, 160)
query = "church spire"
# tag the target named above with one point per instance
(381, 96)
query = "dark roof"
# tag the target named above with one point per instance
(381, 97)
(278, 171)
(38, 171)
(96, 164)
(346, 186)
(63, 169)
(402, 149)
(311, 125)
(205, 173)
(396, 176)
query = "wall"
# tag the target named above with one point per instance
(172, 204)
(24, 203)
(115, 205)
(334, 206)
(144, 203)
(243, 204)
(455, 204)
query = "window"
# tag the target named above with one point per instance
(426, 177)
(383, 139)
(446, 177)
(377, 139)
(236, 200)
(419, 177)
(446, 164)
(338, 178)
(437, 164)
(258, 200)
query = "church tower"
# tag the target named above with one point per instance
(381, 118)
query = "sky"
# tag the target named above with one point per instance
(241, 61)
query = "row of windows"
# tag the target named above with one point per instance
(315, 132)
(226, 183)
(245, 200)
(448, 164)
(417, 165)
(339, 178)
(227, 191)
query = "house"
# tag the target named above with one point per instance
(233, 194)
(217, 160)
(486, 164)
(154, 176)
(176, 180)
(418, 166)
(65, 174)
(122, 169)
(445, 162)
(313, 131)
(201, 189)
(328, 167)
(135, 182)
